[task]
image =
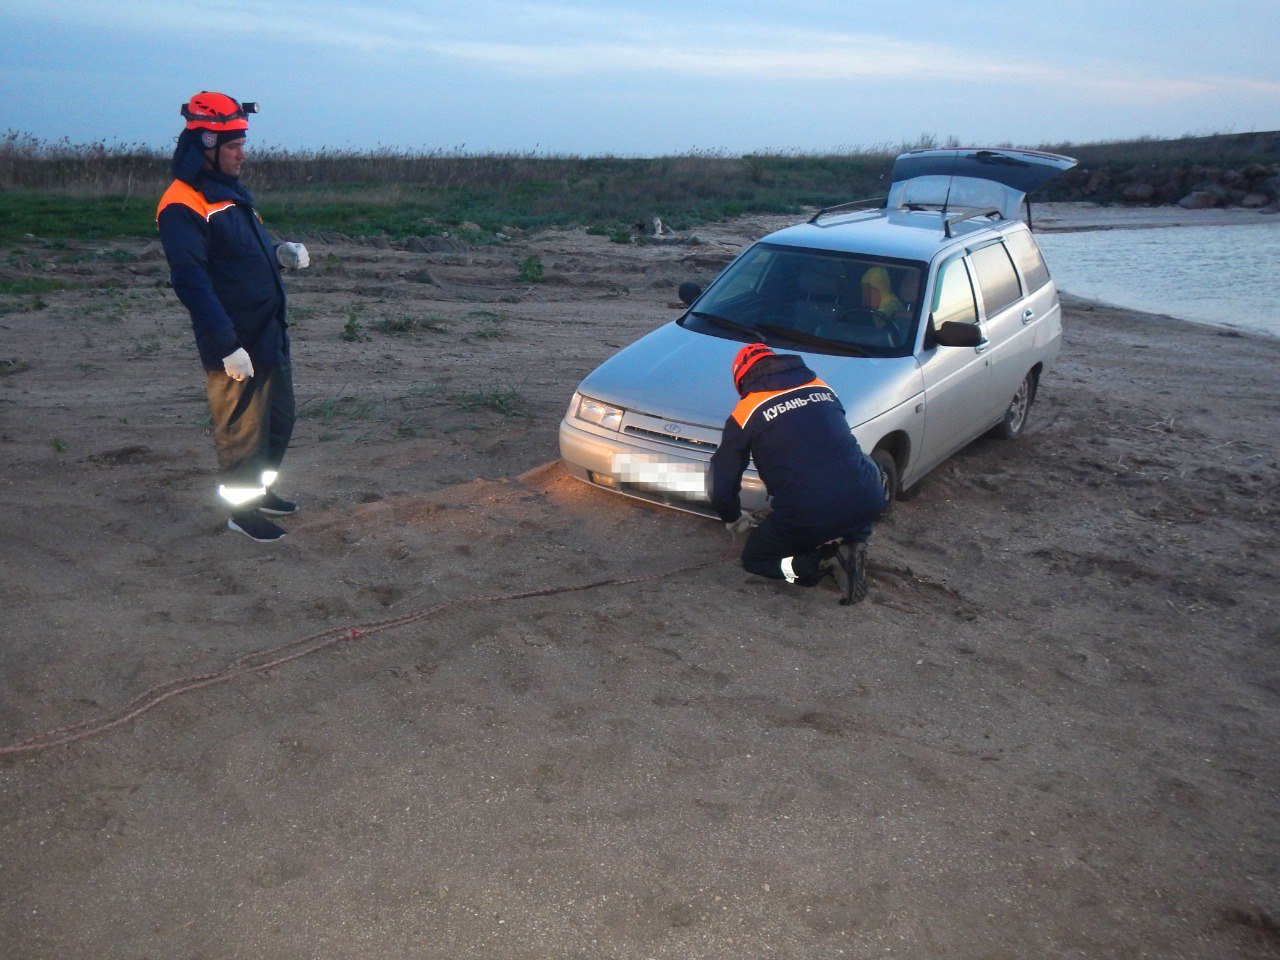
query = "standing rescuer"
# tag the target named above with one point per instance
(823, 488)
(226, 271)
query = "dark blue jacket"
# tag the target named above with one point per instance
(222, 263)
(793, 426)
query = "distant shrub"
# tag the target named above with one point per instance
(353, 330)
(531, 269)
(8, 366)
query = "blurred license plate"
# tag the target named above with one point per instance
(682, 477)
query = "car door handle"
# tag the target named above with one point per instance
(1028, 315)
(982, 345)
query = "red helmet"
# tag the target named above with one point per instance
(747, 358)
(217, 112)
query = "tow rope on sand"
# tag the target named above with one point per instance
(261, 660)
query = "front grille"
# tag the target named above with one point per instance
(674, 440)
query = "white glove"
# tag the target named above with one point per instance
(744, 523)
(293, 255)
(238, 365)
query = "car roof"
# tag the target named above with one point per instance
(979, 191)
(896, 234)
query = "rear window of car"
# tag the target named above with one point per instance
(1026, 254)
(997, 279)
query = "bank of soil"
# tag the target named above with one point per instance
(1048, 732)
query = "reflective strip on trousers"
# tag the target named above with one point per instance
(788, 570)
(239, 495)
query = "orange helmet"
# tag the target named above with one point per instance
(217, 112)
(747, 358)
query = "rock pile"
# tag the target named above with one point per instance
(1195, 187)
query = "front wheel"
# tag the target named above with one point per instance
(1015, 417)
(888, 475)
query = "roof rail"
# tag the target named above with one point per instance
(840, 207)
(967, 215)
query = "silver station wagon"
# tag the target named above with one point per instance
(932, 315)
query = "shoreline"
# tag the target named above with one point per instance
(1081, 217)
(1219, 329)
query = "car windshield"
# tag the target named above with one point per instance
(818, 299)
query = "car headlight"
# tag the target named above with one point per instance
(594, 411)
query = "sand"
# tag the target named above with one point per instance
(1050, 731)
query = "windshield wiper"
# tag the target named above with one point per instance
(751, 332)
(799, 336)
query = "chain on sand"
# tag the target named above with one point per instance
(261, 660)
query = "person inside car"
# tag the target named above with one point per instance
(878, 296)
(823, 488)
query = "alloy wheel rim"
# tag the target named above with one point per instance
(1018, 409)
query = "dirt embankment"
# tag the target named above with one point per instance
(1049, 732)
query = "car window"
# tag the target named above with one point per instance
(997, 279)
(746, 279)
(953, 294)
(820, 297)
(1026, 254)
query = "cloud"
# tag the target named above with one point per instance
(564, 40)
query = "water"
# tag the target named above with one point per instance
(1224, 275)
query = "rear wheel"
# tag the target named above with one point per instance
(1015, 417)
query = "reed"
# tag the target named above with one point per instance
(63, 190)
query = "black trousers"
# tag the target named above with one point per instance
(252, 423)
(768, 546)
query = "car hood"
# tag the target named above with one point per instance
(677, 374)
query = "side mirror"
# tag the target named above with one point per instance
(689, 292)
(954, 334)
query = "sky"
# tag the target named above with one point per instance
(650, 78)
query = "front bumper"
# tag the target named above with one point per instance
(650, 471)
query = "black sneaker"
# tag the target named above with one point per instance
(275, 506)
(254, 526)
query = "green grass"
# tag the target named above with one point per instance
(62, 191)
(490, 328)
(34, 286)
(360, 419)
(407, 323)
(59, 216)
(509, 403)
(336, 414)
(423, 196)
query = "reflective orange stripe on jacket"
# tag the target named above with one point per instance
(753, 401)
(189, 196)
